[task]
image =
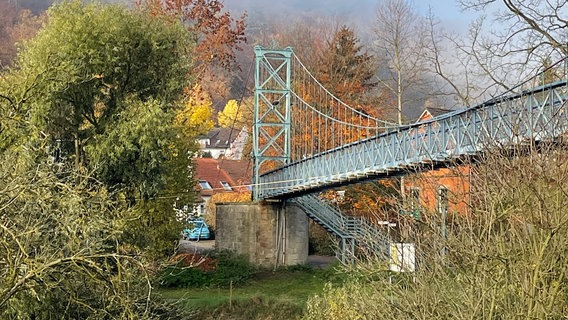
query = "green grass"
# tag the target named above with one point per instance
(276, 295)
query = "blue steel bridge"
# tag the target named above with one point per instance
(306, 140)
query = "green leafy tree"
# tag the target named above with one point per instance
(61, 254)
(89, 59)
(96, 68)
(103, 85)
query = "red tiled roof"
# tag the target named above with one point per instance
(234, 172)
(239, 170)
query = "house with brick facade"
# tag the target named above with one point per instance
(440, 192)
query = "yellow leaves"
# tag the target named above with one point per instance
(196, 116)
(231, 115)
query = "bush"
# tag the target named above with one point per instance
(507, 260)
(221, 269)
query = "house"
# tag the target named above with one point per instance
(432, 112)
(440, 192)
(220, 176)
(225, 143)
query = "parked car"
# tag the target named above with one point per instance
(197, 230)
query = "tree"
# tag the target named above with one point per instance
(231, 115)
(100, 87)
(61, 253)
(531, 33)
(93, 64)
(450, 66)
(217, 35)
(195, 118)
(400, 41)
(16, 26)
(344, 69)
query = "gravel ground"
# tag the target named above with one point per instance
(200, 246)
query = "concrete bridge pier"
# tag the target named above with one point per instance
(271, 234)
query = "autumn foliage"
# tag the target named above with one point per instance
(195, 117)
(217, 35)
(16, 25)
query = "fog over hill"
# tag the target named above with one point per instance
(266, 19)
(360, 12)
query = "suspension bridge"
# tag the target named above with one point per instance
(307, 140)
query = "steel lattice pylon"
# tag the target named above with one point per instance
(271, 127)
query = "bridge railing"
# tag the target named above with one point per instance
(349, 229)
(533, 115)
(324, 214)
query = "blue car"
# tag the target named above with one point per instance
(197, 230)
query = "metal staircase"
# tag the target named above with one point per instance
(351, 231)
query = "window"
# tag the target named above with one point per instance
(442, 200)
(443, 209)
(226, 186)
(205, 185)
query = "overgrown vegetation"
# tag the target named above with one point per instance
(507, 260)
(220, 269)
(268, 294)
(61, 250)
(91, 153)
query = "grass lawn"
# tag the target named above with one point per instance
(281, 294)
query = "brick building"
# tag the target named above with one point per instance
(441, 192)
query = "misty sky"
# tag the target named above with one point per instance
(358, 12)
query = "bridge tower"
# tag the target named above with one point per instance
(271, 127)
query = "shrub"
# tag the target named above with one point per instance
(507, 260)
(221, 269)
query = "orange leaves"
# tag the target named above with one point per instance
(231, 197)
(16, 25)
(217, 35)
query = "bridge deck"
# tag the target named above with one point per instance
(535, 115)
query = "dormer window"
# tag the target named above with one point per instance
(226, 186)
(205, 185)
